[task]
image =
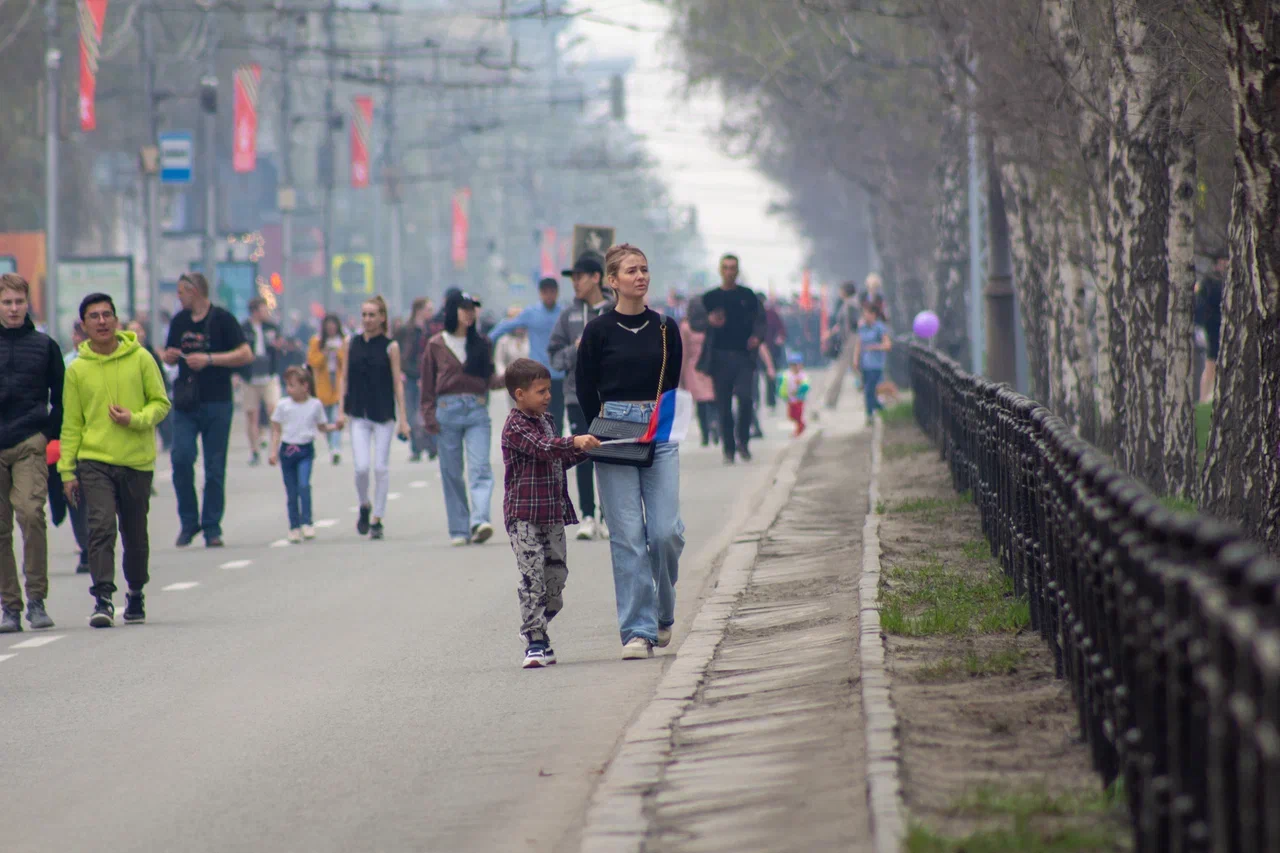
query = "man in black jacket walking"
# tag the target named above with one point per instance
(30, 417)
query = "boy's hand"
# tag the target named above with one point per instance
(585, 442)
(120, 415)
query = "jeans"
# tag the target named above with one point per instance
(367, 434)
(211, 423)
(112, 492)
(586, 471)
(465, 429)
(733, 374)
(24, 488)
(419, 440)
(296, 461)
(335, 437)
(647, 533)
(870, 379)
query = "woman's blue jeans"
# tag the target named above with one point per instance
(870, 379)
(647, 535)
(465, 433)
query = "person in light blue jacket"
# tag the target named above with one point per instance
(540, 320)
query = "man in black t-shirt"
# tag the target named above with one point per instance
(208, 345)
(737, 328)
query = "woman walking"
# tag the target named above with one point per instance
(628, 357)
(372, 396)
(457, 373)
(699, 385)
(326, 355)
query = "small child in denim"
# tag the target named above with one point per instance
(294, 425)
(536, 503)
(793, 387)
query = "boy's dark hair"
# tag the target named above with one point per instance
(94, 299)
(522, 373)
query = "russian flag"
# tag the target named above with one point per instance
(671, 419)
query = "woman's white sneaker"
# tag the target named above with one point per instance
(602, 529)
(637, 648)
(664, 637)
(587, 529)
(295, 535)
(459, 541)
(308, 532)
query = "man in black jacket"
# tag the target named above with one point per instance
(30, 417)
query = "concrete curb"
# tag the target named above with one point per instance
(884, 787)
(616, 822)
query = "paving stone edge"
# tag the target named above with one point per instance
(615, 817)
(884, 785)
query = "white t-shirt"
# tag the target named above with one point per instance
(457, 346)
(299, 421)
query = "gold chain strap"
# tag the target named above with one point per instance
(662, 374)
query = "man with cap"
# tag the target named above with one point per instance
(539, 320)
(590, 300)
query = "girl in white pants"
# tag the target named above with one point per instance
(372, 395)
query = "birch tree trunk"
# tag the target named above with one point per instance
(1033, 261)
(951, 223)
(1179, 452)
(1242, 467)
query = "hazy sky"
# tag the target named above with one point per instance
(731, 196)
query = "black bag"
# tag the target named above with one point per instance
(636, 455)
(186, 390)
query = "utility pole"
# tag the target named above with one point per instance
(287, 196)
(209, 102)
(977, 354)
(328, 156)
(390, 170)
(151, 178)
(52, 125)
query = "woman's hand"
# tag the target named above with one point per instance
(403, 428)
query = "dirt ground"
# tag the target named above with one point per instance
(980, 711)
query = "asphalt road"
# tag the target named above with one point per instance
(340, 695)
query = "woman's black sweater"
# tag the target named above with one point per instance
(620, 357)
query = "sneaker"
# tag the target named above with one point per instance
(602, 529)
(185, 538)
(535, 657)
(254, 459)
(416, 456)
(134, 612)
(637, 648)
(664, 636)
(214, 542)
(362, 525)
(745, 454)
(459, 541)
(104, 614)
(587, 529)
(37, 615)
(337, 459)
(295, 536)
(482, 533)
(549, 656)
(308, 532)
(375, 530)
(82, 568)
(11, 622)
(729, 460)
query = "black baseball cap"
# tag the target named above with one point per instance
(467, 300)
(587, 263)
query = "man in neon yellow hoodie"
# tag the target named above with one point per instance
(113, 399)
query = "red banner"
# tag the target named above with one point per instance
(361, 125)
(461, 226)
(245, 152)
(806, 292)
(824, 315)
(549, 267)
(92, 13)
(566, 250)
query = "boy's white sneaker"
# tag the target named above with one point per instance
(637, 648)
(295, 536)
(587, 529)
(308, 532)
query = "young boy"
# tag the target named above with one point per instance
(793, 387)
(536, 504)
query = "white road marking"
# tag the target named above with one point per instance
(280, 543)
(236, 564)
(418, 484)
(37, 642)
(175, 587)
(6, 657)
(326, 522)
(394, 496)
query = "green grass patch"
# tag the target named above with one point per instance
(1179, 505)
(1032, 821)
(902, 451)
(930, 599)
(972, 665)
(1204, 418)
(931, 508)
(976, 549)
(899, 413)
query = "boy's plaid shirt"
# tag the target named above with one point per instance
(536, 489)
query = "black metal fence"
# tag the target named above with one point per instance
(1166, 625)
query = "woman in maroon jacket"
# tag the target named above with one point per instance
(457, 373)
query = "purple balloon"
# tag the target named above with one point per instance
(925, 325)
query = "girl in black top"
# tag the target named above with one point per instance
(619, 375)
(371, 393)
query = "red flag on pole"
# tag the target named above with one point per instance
(245, 154)
(92, 14)
(806, 292)
(461, 226)
(549, 266)
(824, 315)
(360, 128)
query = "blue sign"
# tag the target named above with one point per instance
(177, 157)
